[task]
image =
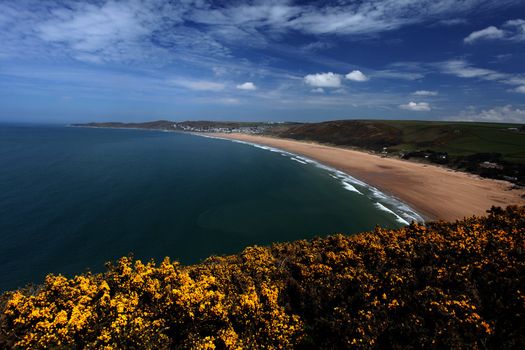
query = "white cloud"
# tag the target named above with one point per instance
(227, 101)
(157, 30)
(91, 27)
(520, 89)
(391, 74)
(219, 71)
(453, 21)
(425, 93)
(367, 17)
(517, 28)
(356, 75)
(318, 90)
(247, 86)
(497, 114)
(104, 31)
(513, 30)
(330, 80)
(416, 106)
(109, 31)
(318, 46)
(217, 100)
(516, 80)
(246, 20)
(502, 58)
(463, 69)
(198, 85)
(486, 34)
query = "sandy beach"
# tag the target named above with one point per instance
(435, 192)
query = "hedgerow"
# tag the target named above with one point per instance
(440, 285)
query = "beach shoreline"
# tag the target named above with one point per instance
(436, 193)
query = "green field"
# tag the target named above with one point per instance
(462, 139)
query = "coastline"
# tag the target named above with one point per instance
(435, 192)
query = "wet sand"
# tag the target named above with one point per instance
(435, 192)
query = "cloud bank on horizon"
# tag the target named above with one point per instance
(64, 61)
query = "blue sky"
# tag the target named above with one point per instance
(79, 61)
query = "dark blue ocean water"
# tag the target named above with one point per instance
(74, 198)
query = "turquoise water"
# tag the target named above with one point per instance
(74, 198)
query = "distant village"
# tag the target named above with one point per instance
(256, 129)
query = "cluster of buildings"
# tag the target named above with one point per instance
(259, 129)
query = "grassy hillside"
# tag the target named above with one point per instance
(444, 285)
(462, 139)
(364, 134)
(488, 149)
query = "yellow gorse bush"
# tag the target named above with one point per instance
(443, 285)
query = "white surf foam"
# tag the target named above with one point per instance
(351, 188)
(298, 160)
(385, 209)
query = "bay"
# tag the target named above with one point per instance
(73, 198)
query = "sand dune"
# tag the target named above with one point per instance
(433, 191)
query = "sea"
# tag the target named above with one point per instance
(74, 198)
